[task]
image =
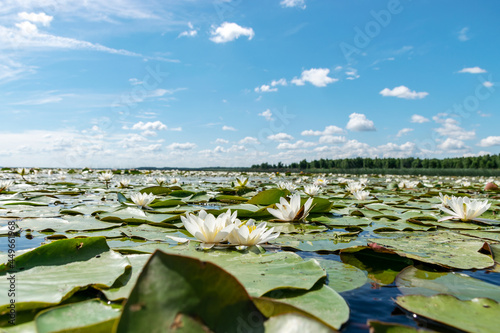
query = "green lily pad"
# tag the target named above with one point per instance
(69, 223)
(294, 323)
(53, 272)
(414, 281)
(381, 327)
(173, 285)
(448, 249)
(479, 315)
(324, 302)
(343, 277)
(68, 318)
(268, 197)
(325, 241)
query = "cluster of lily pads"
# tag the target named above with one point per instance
(137, 250)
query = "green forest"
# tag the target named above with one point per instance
(481, 165)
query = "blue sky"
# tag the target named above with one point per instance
(195, 83)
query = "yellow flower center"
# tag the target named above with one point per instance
(251, 228)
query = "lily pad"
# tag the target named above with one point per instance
(479, 315)
(343, 277)
(173, 285)
(414, 281)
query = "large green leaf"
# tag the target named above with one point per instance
(69, 223)
(268, 197)
(53, 272)
(90, 316)
(343, 277)
(448, 249)
(173, 285)
(295, 323)
(479, 315)
(414, 281)
(323, 302)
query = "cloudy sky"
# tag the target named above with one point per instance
(125, 83)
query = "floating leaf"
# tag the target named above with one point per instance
(479, 315)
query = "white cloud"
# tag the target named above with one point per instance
(359, 123)
(329, 130)
(176, 129)
(228, 128)
(404, 131)
(297, 145)
(27, 36)
(42, 18)
(280, 137)
(265, 88)
(416, 118)
(221, 141)
(352, 74)
(150, 126)
(490, 141)
(227, 32)
(149, 133)
(488, 84)
(452, 144)
(403, 92)
(450, 129)
(462, 34)
(268, 115)
(249, 140)
(316, 76)
(192, 32)
(182, 146)
(280, 82)
(330, 139)
(472, 70)
(293, 3)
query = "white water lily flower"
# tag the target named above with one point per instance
(249, 234)
(106, 176)
(242, 181)
(320, 182)
(161, 180)
(5, 184)
(311, 190)
(142, 199)
(354, 187)
(174, 180)
(123, 183)
(286, 186)
(293, 210)
(445, 199)
(23, 171)
(361, 195)
(464, 208)
(207, 228)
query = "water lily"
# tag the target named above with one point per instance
(5, 184)
(353, 186)
(23, 172)
(464, 208)
(174, 180)
(123, 183)
(242, 181)
(286, 186)
(161, 181)
(249, 234)
(445, 200)
(320, 182)
(293, 210)
(311, 190)
(361, 195)
(208, 229)
(142, 199)
(106, 176)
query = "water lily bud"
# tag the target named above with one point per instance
(491, 187)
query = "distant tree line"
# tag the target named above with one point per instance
(491, 162)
